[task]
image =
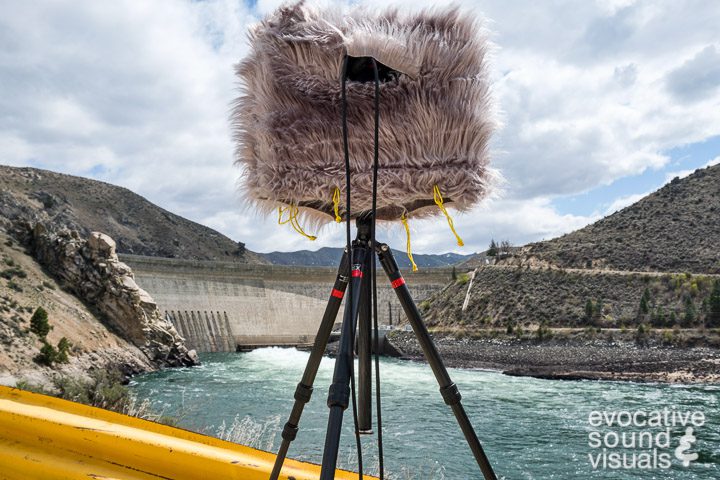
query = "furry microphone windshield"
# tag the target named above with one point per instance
(435, 112)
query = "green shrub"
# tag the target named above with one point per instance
(713, 307)
(658, 317)
(462, 279)
(543, 332)
(31, 387)
(47, 356)
(105, 390)
(493, 249)
(63, 348)
(47, 284)
(644, 302)
(39, 324)
(50, 355)
(690, 313)
(589, 310)
(14, 286)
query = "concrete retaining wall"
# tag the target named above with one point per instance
(221, 306)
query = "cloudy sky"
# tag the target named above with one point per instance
(601, 102)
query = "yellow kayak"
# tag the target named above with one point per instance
(43, 437)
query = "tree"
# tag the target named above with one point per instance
(504, 248)
(63, 347)
(598, 310)
(493, 250)
(454, 274)
(644, 302)
(659, 317)
(713, 316)
(39, 324)
(48, 355)
(690, 313)
(589, 309)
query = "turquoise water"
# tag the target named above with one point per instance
(530, 428)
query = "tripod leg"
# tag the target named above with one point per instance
(339, 394)
(363, 351)
(305, 387)
(448, 389)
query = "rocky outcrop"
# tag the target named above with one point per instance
(90, 269)
(93, 346)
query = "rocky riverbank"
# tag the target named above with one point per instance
(576, 357)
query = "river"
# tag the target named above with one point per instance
(530, 428)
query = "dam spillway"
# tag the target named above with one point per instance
(223, 306)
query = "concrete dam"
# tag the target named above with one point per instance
(222, 306)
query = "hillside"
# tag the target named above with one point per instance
(330, 257)
(654, 263)
(94, 345)
(137, 225)
(502, 296)
(674, 229)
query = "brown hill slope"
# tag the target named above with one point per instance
(138, 226)
(675, 229)
(502, 296)
(598, 275)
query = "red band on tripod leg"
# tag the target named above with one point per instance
(337, 293)
(398, 282)
(357, 273)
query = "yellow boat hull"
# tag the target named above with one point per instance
(43, 437)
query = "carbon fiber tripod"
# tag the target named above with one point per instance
(356, 320)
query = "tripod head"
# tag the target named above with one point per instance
(364, 224)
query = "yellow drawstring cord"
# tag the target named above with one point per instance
(404, 221)
(292, 219)
(336, 204)
(439, 202)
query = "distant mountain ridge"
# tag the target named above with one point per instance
(138, 226)
(330, 257)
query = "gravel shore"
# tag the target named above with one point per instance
(572, 359)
